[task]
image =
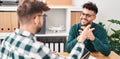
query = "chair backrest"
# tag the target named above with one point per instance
(56, 43)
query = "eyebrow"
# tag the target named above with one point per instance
(88, 14)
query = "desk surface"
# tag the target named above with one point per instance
(97, 55)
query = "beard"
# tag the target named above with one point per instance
(38, 30)
(85, 24)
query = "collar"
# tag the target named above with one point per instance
(25, 34)
(92, 26)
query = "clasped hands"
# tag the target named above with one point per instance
(86, 33)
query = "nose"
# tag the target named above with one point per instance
(84, 16)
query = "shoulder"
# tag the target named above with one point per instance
(76, 26)
(98, 28)
(36, 47)
(37, 44)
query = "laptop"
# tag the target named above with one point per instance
(86, 54)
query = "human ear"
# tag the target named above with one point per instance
(36, 20)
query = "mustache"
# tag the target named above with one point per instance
(85, 24)
(86, 20)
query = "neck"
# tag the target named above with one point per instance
(83, 27)
(28, 28)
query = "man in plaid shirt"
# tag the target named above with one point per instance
(22, 44)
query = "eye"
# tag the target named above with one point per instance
(88, 15)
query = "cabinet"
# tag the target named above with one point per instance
(8, 21)
(55, 43)
(58, 16)
(14, 21)
(55, 2)
(75, 17)
(59, 2)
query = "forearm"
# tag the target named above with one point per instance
(70, 45)
(76, 51)
(103, 47)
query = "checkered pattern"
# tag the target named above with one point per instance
(23, 45)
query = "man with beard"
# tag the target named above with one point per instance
(22, 43)
(96, 40)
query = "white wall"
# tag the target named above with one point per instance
(108, 9)
(55, 18)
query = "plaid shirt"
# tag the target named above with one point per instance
(23, 45)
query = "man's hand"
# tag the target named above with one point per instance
(86, 33)
(91, 36)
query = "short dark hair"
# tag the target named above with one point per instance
(91, 6)
(31, 7)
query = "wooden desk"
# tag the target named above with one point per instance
(112, 55)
